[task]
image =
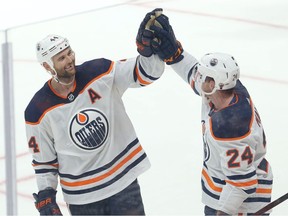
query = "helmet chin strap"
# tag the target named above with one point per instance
(55, 77)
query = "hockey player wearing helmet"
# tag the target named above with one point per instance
(78, 130)
(56, 56)
(236, 177)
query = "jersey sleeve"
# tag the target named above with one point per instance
(137, 72)
(187, 70)
(44, 161)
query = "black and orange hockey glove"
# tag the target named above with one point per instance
(168, 48)
(145, 35)
(45, 202)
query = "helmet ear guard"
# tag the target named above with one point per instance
(222, 68)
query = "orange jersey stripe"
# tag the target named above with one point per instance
(140, 79)
(105, 175)
(53, 107)
(210, 182)
(54, 165)
(242, 184)
(264, 190)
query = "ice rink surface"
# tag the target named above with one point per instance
(166, 115)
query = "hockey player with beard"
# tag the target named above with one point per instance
(78, 130)
(236, 177)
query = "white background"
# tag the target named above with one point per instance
(166, 115)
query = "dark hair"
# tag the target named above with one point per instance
(208, 79)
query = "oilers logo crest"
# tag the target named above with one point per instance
(89, 129)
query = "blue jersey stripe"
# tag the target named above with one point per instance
(108, 183)
(105, 167)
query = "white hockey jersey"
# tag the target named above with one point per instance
(87, 139)
(236, 177)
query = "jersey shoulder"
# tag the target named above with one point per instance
(95, 67)
(45, 99)
(42, 101)
(91, 70)
(234, 121)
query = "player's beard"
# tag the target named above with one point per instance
(66, 77)
(67, 72)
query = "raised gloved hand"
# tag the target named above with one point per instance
(45, 202)
(167, 47)
(145, 35)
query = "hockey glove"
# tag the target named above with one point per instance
(145, 35)
(167, 47)
(45, 202)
